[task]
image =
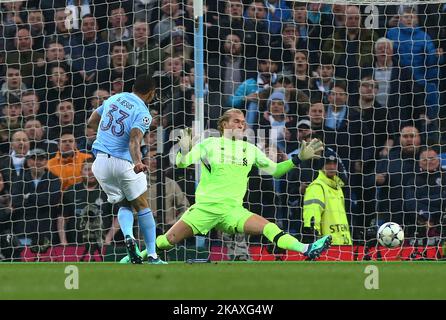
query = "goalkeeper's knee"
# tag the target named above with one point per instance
(162, 243)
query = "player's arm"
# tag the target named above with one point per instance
(136, 136)
(95, 118)
(310, 150)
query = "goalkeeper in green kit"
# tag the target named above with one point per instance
(225, 165)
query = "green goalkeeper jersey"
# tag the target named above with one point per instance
(225, 165)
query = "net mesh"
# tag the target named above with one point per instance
(366, 77)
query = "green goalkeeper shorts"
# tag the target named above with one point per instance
(204, 217)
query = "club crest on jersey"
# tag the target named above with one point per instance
(146, 121)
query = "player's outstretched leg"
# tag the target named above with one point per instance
(125, 218)
(288, 242)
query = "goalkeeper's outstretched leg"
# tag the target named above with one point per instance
(254, 225)
(177, 233)
(257, 225)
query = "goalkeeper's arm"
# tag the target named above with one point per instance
(310, 150)
(187, 154)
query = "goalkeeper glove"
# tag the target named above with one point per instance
(308, 150)
(185, 140)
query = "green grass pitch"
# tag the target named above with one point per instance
(240, 280)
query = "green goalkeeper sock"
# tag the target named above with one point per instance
(162, 243)
(282, 239)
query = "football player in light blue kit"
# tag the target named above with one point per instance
(121, 122)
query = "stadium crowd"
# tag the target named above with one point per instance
(374, 93)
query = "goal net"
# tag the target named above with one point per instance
(368, 78)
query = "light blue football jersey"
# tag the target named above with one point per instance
(119, 115)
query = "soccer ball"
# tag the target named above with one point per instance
(390, 235)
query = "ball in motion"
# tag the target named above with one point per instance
(390, 235)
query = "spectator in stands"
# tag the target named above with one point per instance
(397, 89)
(118, 29)
(374, 121)
(298, 101)
(352, 47)
(3, 66)
(99, 96)
(13, 84)
(295, 134)
(426, 198)
(179, 112)
(85, 142)
(24, 55)
(374, 131)
(344, 120)
(64, 121)
(11, 119)
(256, 37)
(13, 162)
(89, 52)
(383, 67)
(232, 21)
(31, 106)
(5, 208)
(85, 212)
(119, 67)
(312, 32)
(248, 93)
(394, 175)
(67, 164)
(59, 87)
(36, 135)
(171, 16)
(36, 199)
(177, 44)
(339, 16)
(278, 12)
(13, 14)
(170, 83)
(10, 247)
(227, 71)
(301, 72)
(275, 119)
(324, 205)
(144, 54)
(38, 33)
(316, 113)
(285, 47)
(417, 50)
(325, 77)
(175, 201)
(61, 33)
(54, 55)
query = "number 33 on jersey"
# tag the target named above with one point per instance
(119, 115)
